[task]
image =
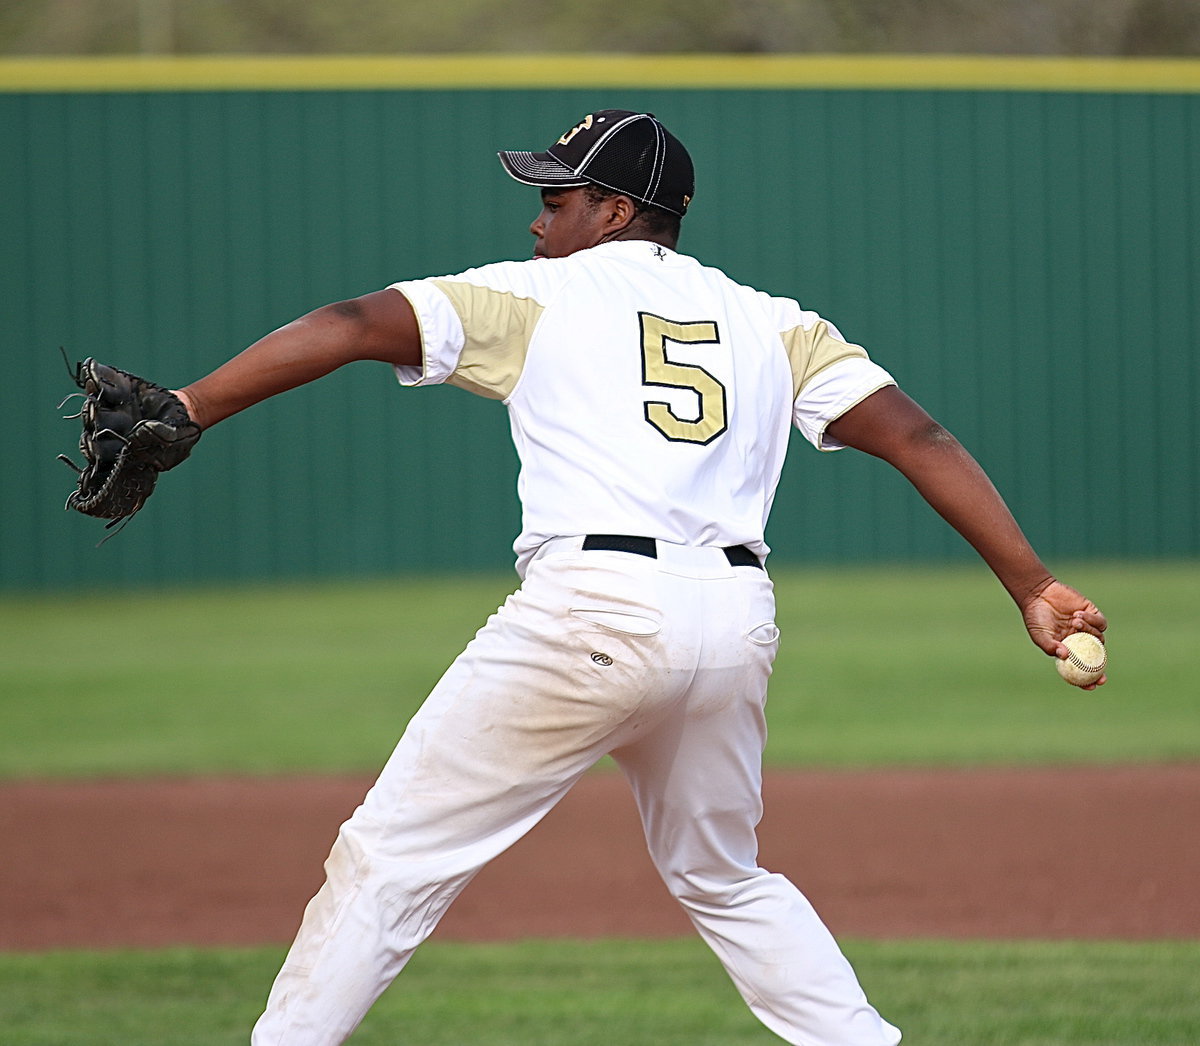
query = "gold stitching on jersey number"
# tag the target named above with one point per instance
(658, 371)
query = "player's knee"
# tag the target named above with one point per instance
(707, 887)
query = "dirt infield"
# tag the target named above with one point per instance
(1111, 853)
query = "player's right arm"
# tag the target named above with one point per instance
(891, 426)
(376, 326)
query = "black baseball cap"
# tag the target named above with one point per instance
(630, 153)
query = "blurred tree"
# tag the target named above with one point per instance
(1163, 27)
(1064, 27)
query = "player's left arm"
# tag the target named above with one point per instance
(380, 326)
(890, 425)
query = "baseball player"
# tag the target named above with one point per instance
(651, 399)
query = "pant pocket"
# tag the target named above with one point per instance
(619, 621)
(765, 634)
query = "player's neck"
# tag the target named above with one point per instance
(636, 234)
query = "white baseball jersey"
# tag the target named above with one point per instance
(648, 394)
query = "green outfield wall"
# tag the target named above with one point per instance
(1017, 240)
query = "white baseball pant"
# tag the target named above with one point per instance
(664, 664)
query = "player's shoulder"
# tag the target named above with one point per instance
(629, 262)
(786, 313)
(544, 278)
(654, 257)
(520, 277)
(781, 311)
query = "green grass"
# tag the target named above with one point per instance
(600, 993)
(932, 666)
(879, 666)
(319, 678)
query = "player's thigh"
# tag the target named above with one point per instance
(535, 699)
(697, 777)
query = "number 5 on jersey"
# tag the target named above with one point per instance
(660, 372)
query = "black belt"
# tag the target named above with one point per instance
(738, 555)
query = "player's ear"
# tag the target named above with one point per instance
(621, 213)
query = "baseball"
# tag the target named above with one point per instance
(1087, 659)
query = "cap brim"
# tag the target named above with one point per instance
(538, 169)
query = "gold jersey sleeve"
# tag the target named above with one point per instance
(498, 326)
(811, 349)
